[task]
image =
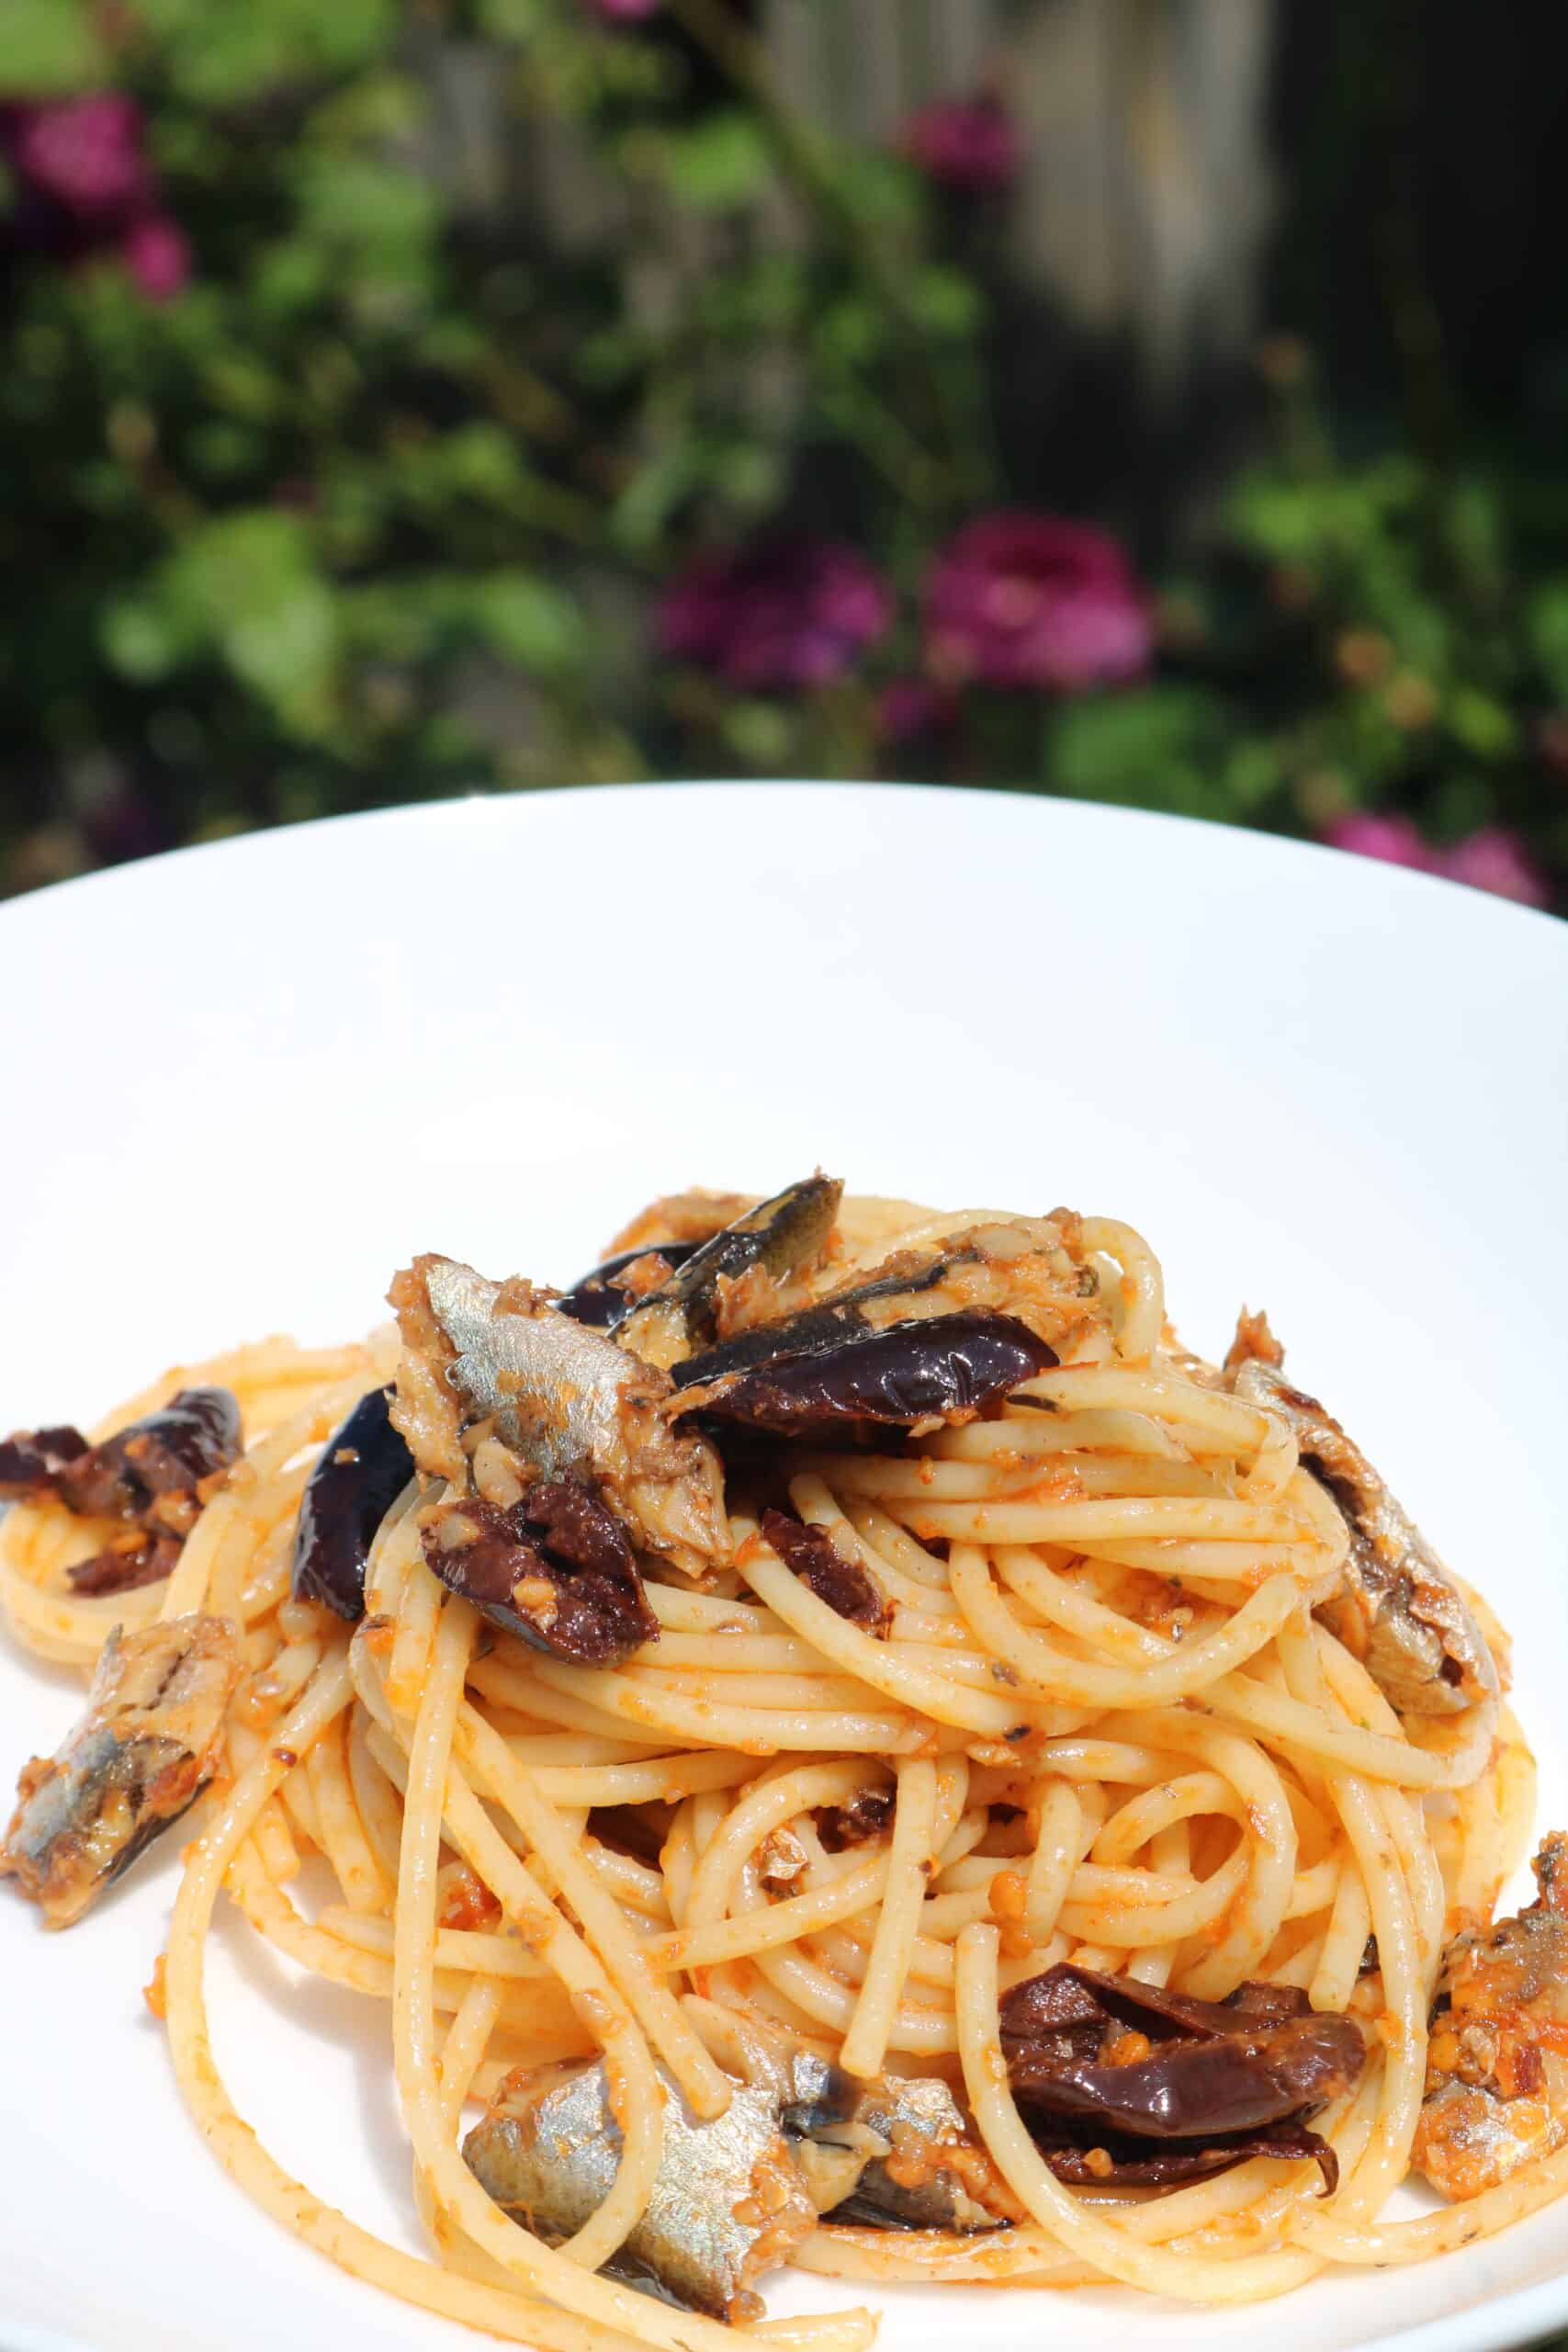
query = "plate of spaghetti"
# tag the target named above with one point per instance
(721, 1750)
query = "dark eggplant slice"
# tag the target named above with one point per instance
(937, 1367)
(813, 1328)
(363, 1469)
(555, 1567)
(1124, 2082)
(846, 1586)
(594, 1298)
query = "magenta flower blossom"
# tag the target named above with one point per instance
(783, 617)
(85, 190)
(1395, 839)
(156, 251)
(1496, 860)
(1489, 859)
(969, 146)
(86, 153)
(1032, 601)
(624, 12)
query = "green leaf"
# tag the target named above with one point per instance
(285, 645)
(880, 189)
(850, 331)
(138, 641)
(749, 474)
(653, 493)
(288, 276)
(1154, 746)
(375, 224)
(719, 163)
(1460, 804)
(245, 589)
(357, 203)
(221, 450)
(221, 54)
(1549, 633)
(528, 621)
(946, 301)
(48, 49)
(519, 20)
(481, 460)
(759, 731)
(1482, 724)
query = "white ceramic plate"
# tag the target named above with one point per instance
(244, 1084)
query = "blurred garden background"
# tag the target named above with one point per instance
(1159, 402)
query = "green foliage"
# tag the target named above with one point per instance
(48, 48)
(497, 315)
(1173, 747)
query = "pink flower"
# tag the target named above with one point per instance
(781, 617)
(1393, 839)
(1032, 601)
(624, 12)
(86, 153)
(156, 251)
(1491, 859)
(910, 707)
(1494, 859)
(968, 146)
(89, 189)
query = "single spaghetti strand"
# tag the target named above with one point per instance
(914, 1837)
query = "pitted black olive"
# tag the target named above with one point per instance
(32, 1462)
(557, 1569)
(152, 1468)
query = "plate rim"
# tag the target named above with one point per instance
(397, 813)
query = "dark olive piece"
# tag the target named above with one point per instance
(154, 1466)
(31, 1461)
(846, 1586)
(555, 1568)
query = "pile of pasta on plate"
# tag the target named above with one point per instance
(837, 1742)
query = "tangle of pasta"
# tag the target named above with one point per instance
(1102, 1724)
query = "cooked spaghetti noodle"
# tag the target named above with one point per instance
(1098, 1723)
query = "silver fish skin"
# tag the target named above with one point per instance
(547, 2152)
(781, 1237)
(1497, 2089)
(563, 1397)
(553, 1385)
(1400, 1610)
(142, 1752)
